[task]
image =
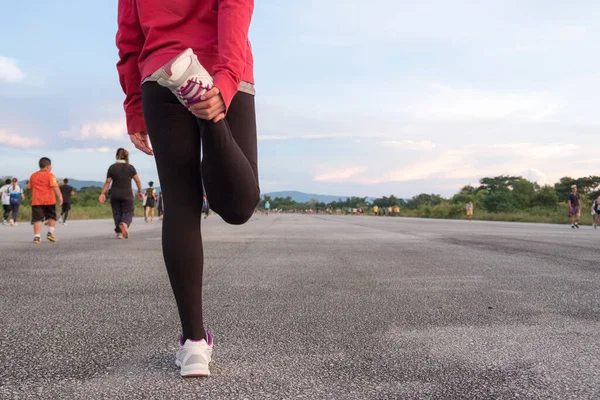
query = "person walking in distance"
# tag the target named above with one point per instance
(205, 207)
(160, 206)
(44, 191)
(574, 207)
(195, 63)
(470, 211)
(5, 202)
(150, 195)
(267, 206)
(596, 211)
(119, 175)
(15, 196)
(67, 192)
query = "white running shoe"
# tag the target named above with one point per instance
(194, 356)
(186, 77)
(11, 222)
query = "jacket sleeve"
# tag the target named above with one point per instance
(130, 41)
(234, 22)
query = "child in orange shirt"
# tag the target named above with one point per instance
(44, 191)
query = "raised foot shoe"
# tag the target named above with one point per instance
(185, 77)
(194, 356)
(51, 237)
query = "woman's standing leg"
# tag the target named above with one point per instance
(15, 212)
(127, 211)
(175, 138)
(117, 213)
(229, 166)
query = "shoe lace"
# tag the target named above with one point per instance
(193, 90)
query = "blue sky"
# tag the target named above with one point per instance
(353, 97)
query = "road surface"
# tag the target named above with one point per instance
(313, 307)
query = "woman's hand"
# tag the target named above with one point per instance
(140, 141)
(210, 107)
(102, 198)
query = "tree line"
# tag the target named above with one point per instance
(498, 194)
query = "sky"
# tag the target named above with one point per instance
(354, 98)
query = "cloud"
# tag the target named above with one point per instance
(541, 163)
(528, 150)
(9, 71)
(339, 176)
(296, 136)
(13, 140)
(109, 130)
(409, 144)
(444, 102)
(89, 149)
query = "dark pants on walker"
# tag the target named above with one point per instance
(122, 212)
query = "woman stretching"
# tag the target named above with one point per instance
(186, 69)
(120, 175)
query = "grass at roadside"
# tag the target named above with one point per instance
(101, 211)
(558, 215)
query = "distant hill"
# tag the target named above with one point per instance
(81, 184)
(301, 197)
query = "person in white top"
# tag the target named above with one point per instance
(5, 202)
(15, 196)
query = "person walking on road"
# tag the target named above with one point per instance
(574, 207)
(44, 191)
(150, 195)
(15, 196)
(267, 207)
(5, 202)
(119, 178)
(160, 208)
(596, 212)
(205, 207)
(67, 192)
(194, 62)
(470, 211)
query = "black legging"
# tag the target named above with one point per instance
(15, 211)
(66, 207)
(230, 174)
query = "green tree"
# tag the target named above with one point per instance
(545, 197)
(468, 189)
(498, 183)
(523, 192)
(424, 199)
(500, 201)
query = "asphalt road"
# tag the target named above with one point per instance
(308, 307)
